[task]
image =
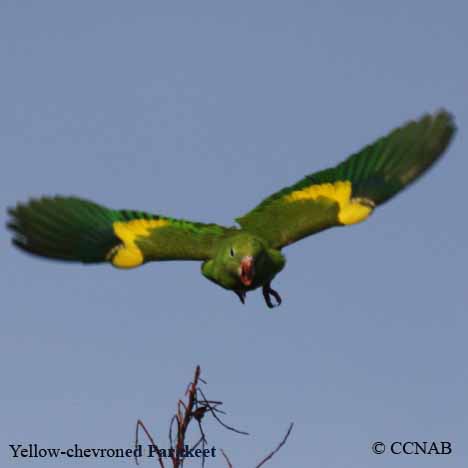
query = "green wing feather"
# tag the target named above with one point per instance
(347, 193)
(73, 229)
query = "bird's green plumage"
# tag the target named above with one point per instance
(70, 228)
(223, 267)
(382, 169)
(65, 228)
(375, 174)
(73, 229)
(182, 240)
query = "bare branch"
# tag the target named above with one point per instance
(195, 408)
(227, 459)
(171, 428)
(233, 429)
(277, 449)
(150, 437)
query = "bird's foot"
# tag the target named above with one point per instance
(267, 293)
(241, 296)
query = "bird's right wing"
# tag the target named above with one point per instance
(73, 229)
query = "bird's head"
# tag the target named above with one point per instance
(237, 263)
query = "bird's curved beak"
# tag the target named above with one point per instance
(247, 270)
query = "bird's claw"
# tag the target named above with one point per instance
(241, 296)
(267, 292)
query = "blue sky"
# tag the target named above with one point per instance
(199, 110)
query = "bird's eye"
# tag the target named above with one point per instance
(232, 252)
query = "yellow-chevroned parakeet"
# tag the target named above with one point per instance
(242, 258)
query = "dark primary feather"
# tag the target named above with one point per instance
(67, 228)
(382, 169)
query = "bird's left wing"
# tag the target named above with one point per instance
(74, 229)
(347, 194)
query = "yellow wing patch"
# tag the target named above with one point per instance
(351, 210)
(128, 255)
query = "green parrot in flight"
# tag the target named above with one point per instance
(243, 258)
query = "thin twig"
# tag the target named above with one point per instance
(203, 441)
(171, 428)
(199, 441)
(150, 437)
(276, 450)
(227, 459)
(233, 429)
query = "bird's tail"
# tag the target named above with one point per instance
(67, 228)
(384, 168)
